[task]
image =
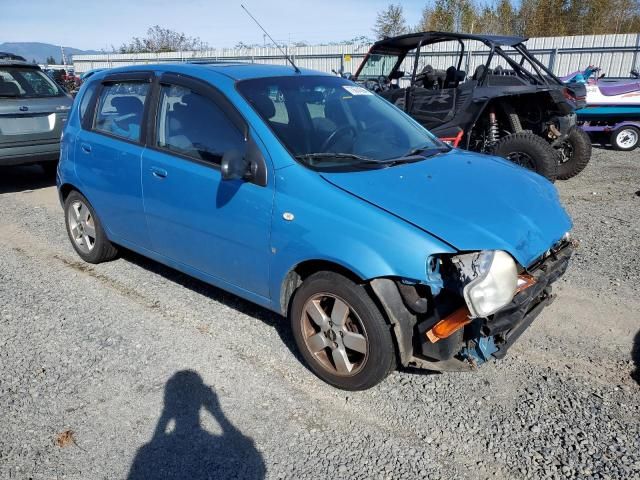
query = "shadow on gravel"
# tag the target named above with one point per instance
(230, 300)
(182, 449)
(635, 356)
(18, 179)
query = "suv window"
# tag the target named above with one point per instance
(194, 125)
(120, 109)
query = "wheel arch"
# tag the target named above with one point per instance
(65, 189)
(296, 275)
(383, 291)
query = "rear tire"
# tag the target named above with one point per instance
(529, 151)
(625, 138)
(85, 230)
(341, 333)
(575, 153)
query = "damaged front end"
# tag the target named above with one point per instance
(486, 302)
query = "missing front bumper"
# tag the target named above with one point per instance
(488, 338)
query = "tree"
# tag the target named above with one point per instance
(532, 18)
(390, 22)
(50, 61)
(161, 39)
(453, 16)
(506, 15)
(425, 23)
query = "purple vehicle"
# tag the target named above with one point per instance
(613, 107)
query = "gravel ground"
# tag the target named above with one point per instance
(132, 370)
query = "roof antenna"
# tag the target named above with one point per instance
(270, 38)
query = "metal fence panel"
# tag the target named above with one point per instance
(615, 54)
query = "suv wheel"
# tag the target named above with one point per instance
(529, 151)
(341, 333)
(625, 138)
(85, 231)
(575, 153)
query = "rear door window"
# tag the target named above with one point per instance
(120, 108)
(193, 125)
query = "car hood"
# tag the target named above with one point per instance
(470, 201)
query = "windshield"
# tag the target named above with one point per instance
(377, 65)
(16, 82)
(329, 122)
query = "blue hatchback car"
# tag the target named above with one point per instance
(315, 198)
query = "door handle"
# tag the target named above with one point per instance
(86, 148)
(159, 172)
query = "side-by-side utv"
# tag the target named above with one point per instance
(506, 102)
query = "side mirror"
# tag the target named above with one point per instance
(250, 166)
(234, 165)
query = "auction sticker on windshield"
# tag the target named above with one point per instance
(355, 90)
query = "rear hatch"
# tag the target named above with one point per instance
(33, 109)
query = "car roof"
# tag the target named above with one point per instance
(233, 70)
(410, 41)
(8, 59)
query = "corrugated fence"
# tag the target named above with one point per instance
(615, 54)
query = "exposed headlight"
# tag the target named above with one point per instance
(493, 282)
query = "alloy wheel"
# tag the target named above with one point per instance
(82, 226)
(334, 334)
(522, 159)
(566, 152)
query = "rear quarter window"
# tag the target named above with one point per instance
(88, 94)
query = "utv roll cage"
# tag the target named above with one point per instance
(404, 44)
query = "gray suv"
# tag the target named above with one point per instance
(33, 111)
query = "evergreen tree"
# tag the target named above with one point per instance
(390, 22)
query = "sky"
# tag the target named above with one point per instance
(98, 25)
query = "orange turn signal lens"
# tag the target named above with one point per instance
(448, 325)
(524, 282)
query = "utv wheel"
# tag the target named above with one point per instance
(85, 231)
(341, 333)
(575, 153)
(529, 151)
(625, 138)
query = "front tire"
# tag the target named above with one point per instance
(529, 151)
(625, 138)
(85, 230)
(341, 333)
(575, 153)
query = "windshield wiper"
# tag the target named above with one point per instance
(426, 151)
(416, 155)
(330, 155)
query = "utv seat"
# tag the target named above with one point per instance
(453, 77)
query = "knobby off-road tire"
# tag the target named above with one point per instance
(85, 230)
(341, 333)
(574, 154)
(529, 151)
